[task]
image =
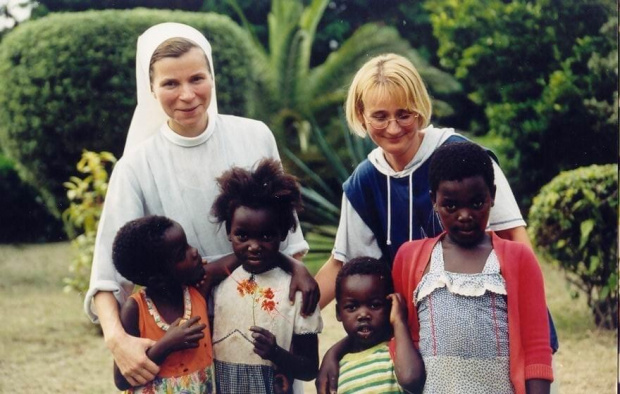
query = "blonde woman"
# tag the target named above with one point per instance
(386, 200)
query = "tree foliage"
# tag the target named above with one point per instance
(574, 222)
(301, 98)
(293, 91)
(83, 5)
(68, 84)
(545, 74)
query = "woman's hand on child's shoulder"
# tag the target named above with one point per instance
(303, 281)
(184, 334)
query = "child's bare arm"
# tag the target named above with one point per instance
(215, 272)
(302, 362)
(327, 379)
(181, 335)
(408, 364)
(537, 386)
(178, 337)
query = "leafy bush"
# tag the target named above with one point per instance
(574, 222)
(542, 75)
(23, 215)
(68, 84)
(86, 195)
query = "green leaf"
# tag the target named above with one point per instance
(586, 228)
(595, 261)
(604, 293)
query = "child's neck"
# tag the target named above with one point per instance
(168, 291)
(257, 271)
(168, 301)
(466, 259)
(358, 347)
(267, 266)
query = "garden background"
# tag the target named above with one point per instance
(536, 81)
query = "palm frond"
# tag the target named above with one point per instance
(309, 173)
(358, 148)
(367, 41)
(247, 26)
(308, 23)
(320, 209)
(332, 157)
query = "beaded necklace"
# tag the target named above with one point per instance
(187, 313)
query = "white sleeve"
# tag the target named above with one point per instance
(505, 214)
(353, 238)
(312, 324)
(123, 202)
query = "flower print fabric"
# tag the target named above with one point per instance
(244, 300)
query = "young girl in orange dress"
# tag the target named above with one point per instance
(153, 252)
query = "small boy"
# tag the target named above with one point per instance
(371, 313)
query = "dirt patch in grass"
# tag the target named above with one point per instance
(48, 345)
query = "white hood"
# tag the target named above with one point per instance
(148, 115)
(433, 138)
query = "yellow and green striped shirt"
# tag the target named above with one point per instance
(369, 371)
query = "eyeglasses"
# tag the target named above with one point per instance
(404, 120)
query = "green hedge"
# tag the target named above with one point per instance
(68, 84)
(574, 222)
(23, 217)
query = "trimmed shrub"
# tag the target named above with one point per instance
(23, 216)
(68, 84)
(574, 223)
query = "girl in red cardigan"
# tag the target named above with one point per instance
(476, 302)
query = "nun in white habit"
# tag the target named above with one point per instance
(177, 145)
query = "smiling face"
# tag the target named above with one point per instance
(364, 309)
(183, 85)
(185, 262)
(464, 206)
(255, 238)
(399, 144)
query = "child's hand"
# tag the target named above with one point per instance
(184, 334)
(264, 343)
(398, 313)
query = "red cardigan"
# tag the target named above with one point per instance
(528, 325)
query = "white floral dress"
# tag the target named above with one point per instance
(244, 300)
(464, 329)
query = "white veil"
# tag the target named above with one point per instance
(149, 116)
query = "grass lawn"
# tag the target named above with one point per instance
(49, 346)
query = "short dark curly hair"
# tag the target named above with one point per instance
(138, 249)
(267, 187)
(458, 160)
(365, 266)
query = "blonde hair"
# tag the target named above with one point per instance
(387, 76)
